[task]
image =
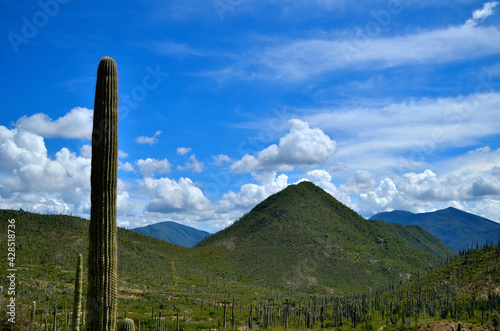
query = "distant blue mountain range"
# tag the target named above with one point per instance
(174, 233)
(456, 228)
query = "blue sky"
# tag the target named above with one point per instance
(385, 104)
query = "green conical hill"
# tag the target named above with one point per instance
(303, 237)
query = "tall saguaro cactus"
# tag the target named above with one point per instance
(102, 259)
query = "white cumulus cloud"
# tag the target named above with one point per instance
(363, 181)
(301, 147)
(489, 208)
(150, 166)
(183, 150)
(124, 204)
(143, 140)
(170, 196)
(75, 124)
(324, 180)
(193, 164)
(31, 179)
(251, 194)
(127, 166)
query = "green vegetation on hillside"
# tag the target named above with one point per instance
(475, 273)
(47, 247)
(161, 284)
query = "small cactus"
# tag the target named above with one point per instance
(250, 318)
(459, 326)
(55, 317)
(127, 325)
(77, 301)
(33, 305)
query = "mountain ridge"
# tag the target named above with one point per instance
(458, 229)
(174, 233)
